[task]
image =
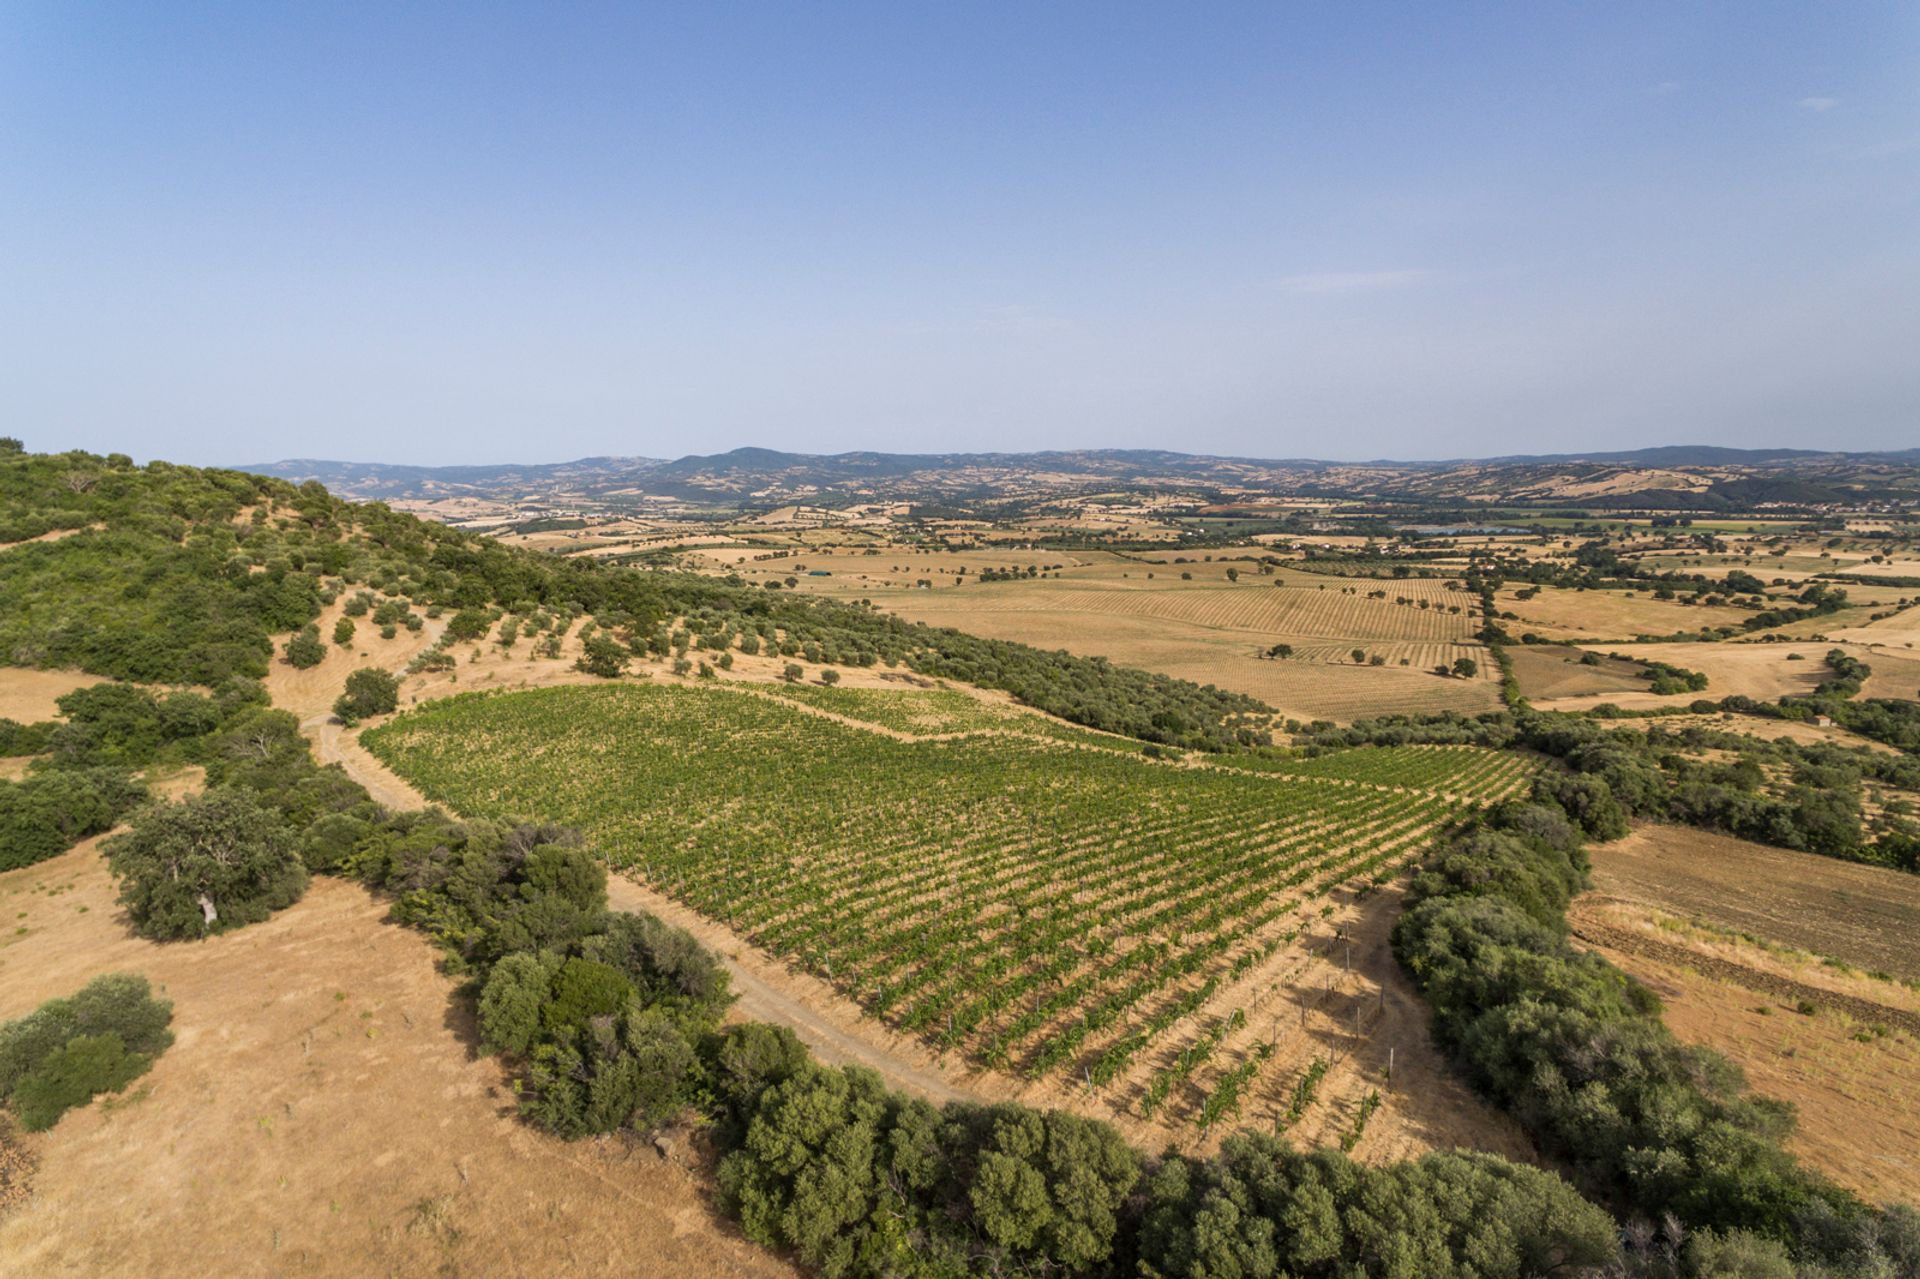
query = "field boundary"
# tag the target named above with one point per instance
(1631, 943)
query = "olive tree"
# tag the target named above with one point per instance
(207, 864)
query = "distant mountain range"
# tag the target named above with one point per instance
(1676, 476)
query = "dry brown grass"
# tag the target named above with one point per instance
(1853, 1078)
(1559, 613)
(321, 1113)
(1866, 916)
(1213, 631)
(1549, 671)
(28, 696)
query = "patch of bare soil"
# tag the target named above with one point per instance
(53, 535)
(322, 1112)
(1867, 916)
(1845, 1051)
(29, 696)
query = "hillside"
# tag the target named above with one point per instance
(1680, 477)
(1009, 910)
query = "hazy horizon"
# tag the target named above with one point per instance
(434, 236)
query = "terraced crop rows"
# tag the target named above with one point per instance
(1035, 907)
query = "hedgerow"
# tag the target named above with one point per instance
(1576, 1050)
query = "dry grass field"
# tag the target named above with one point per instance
(1558, 613)
(1214, 631)
(1547, 672)
(1866, 916)
(29, 697)
(1844, 1049)
(322, 1112)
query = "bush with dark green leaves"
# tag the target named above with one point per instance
(603, 657)
(208, 864)
(69, 1050)
(604, 1009)
(24, 739)
(73, 1075)
(127, 725)
(483, 890)
(305, 650)
(370, 691)
(854, 1180)
(49, 812)
(1259, 1208)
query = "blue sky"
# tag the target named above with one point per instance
(466, 233)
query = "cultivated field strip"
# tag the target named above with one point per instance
(1037, 908)
(1466, 772)
(1332, 611)
(1418, 656)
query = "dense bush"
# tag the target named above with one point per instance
(855, 1180)
(126, 725)
(603, 1008)
(370, 691)
(69, 1050)
(50, 812)
(1262, 1209)
(24, 739)
(1804, 797)
(305, 650)
(205, 865)
(73, 1075)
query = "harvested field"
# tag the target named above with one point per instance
(1293, 606)
(322, 1113)
(1549, 671)
(1866, 916)
(1844, 1050)
(1215, 632)
(1559, 613)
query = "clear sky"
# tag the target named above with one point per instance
(409, 232)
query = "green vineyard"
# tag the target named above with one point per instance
(1469, 772)
(1034, 904)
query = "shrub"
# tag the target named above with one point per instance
(514, 1000)
(47, 814)
(343, 631)
(24, 739)
(603, 657)
(305, 650)
(370, 691)
(208, 864)
(72, 1075)
(70, 1049)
